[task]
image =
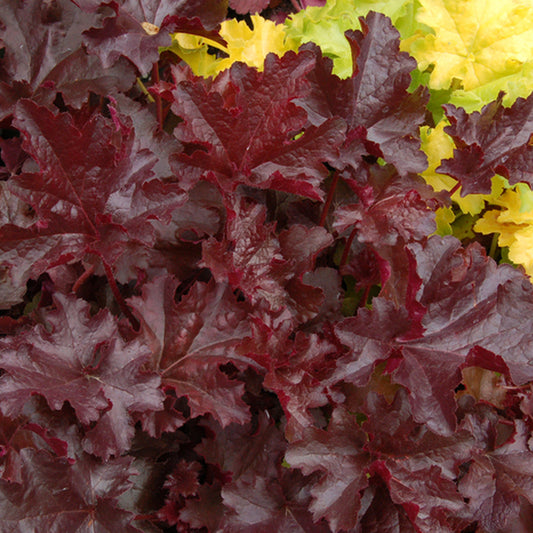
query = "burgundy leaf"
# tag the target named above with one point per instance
(13, 280)
(155, 423)
(392, 209)
(148, 134)
(496, 484)
(10, 94)
(240, 450)
(337, 453)
(49, 57)
(374, 102)
(205, 510)
(16, 435)
(258, 493)
(248, 6)
(395, 437)
(13, 156)
(80, 74)
(140, 28)
(470, 298)
(419, 466)
(242, 129)
(184, 480)
(382, 514)
(495, 140)
(267, 267)
(370, 337)
(192, 339)
(469, 302)
(432, 502)
(60, 495)
(33, 50)
(262, 504)
(302, 375)
(125, 36)
(73, 357)
(94, 189)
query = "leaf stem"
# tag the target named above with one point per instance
(82, 279)
(158, 101)
(493, 246)
(145, 90)
(347, 247)
(329, 198)
(364, 298)
(296, 5)
(455, 188)
(118, 297)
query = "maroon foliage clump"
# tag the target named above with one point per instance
(223, 305)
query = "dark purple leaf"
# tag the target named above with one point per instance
(241, 129)
(265, 266)
(248, 6)
(495, 140)
(496, 484)
(140, 28)
(18, 434)
(392, 209)
(337, 454)
(57, 494)
(383, 118)
(192, 339)
(469, 302)
(382, 514)
(302, 375)
(94, 193)
(77, 358)
(48, 57)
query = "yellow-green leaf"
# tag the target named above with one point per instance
(250, 46)
(325, 26)
(478, 42)
(513, 222)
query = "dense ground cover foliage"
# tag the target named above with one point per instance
(248, 291)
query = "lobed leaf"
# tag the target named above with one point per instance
(57, 495)
(73, 357)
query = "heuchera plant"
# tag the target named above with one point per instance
(224, 304)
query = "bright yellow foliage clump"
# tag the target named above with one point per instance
(513, 222)
(478, 46)
(477, 49)
(250, 46)
(325, 26)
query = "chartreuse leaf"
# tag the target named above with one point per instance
(485, 45)
(325, 26)
(512, 219)
(444, 216)
(517, 85)
(243, 44)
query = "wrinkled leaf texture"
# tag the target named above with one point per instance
(306, 353)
